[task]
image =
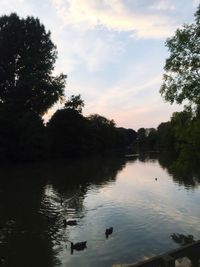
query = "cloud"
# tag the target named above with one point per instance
(92, 54)
(120, 95)
(11, 6)
(162, 5)
(101, 52)
(134, 106)
(116, 15)
(96, 52)
(13, 3)
(128, 106)
(195, 3)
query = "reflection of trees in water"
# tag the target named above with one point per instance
(182, 173)
(69, 182)
(187, 175)
(37, 197)
(25, 241)
(72, 179)
(148, 156)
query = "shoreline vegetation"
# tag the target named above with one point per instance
(28, 89)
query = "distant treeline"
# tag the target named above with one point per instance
(180, 135)
(24, 136)
(67, 134)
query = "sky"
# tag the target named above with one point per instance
(113, 52)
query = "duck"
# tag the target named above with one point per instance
(69, 222)
(78, 246)
(108, 231)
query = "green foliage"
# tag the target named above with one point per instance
(182, 77)
(195, 134)
(181, 122)
(182, 84)
(27, 57)
(165, 136)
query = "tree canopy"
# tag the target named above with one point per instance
(27, 58)
(182, 68)
(75, 102)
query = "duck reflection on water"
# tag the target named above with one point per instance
(69, 222)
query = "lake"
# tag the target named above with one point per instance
(99, 193)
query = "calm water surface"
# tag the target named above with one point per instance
(98, 193)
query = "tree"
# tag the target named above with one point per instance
(67, 133)
(182, 77)
(151, 139)
(181, 123)
(141, 136)
(100, 121)
(75, 102)
(165, 136)
(21, 137)
(102, 133)
(125, 137)
(27, 57)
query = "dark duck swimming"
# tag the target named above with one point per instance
(78, 246)
(108, 231)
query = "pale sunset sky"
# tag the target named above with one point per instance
(113, 52)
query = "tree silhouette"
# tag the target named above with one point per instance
(75, 102)
(27, 57)
(66, 130)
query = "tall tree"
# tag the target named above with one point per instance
(182, 68)
(27, 57)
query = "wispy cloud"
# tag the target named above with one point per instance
(116, 15)
(92, 53)
(195, 3)
(162, 5)
(129, 106)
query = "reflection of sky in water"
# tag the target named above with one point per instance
(144, 213)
